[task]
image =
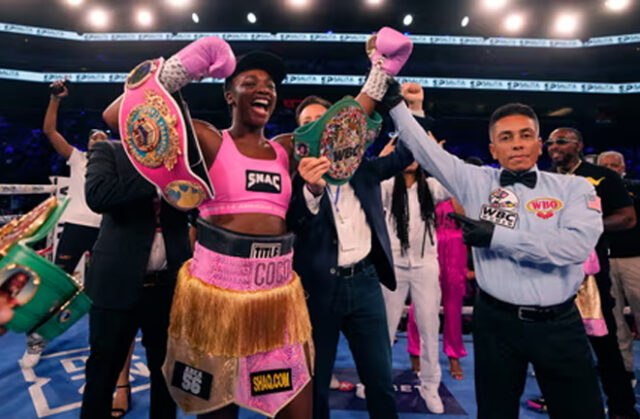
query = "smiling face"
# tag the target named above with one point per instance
(252, 97)
(564, 155)
(515, 142)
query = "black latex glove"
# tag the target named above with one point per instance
(477, 233)
(393, 95)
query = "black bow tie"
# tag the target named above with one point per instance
(528, 179)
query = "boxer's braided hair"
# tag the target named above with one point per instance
(400, 208)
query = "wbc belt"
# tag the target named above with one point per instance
(160, 140)
(342, 135)
(45, 299)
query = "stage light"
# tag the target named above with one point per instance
(514, 22)
(178, 3)
(566, 24)
(99, 18)
(252, 18)
(464, 22)
(195, 17)
(494, 4)
(408, 20)
(74, 3)
(617, 5)
(298, 4)
(144, 17)
(374, 2)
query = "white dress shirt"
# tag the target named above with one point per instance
(354, 233)
(417, 233)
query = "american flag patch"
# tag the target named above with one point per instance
(594, 203)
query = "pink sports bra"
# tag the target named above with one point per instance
(243, 184)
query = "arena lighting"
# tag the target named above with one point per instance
(374, 2)
(74, 3)
(566, 23)
(252, 18)
(464, 22)
(514, 22)
(98, 17)
(144, 17)
(617, 5)
(494, 4)
(178, 3)
(195, 17)
(298, 4)
(408, 20)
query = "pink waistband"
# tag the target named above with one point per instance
(217, 208)
(241, 274)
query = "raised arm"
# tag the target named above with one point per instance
(388, 51)
(50, 125)
(205, 57)
(457, 177)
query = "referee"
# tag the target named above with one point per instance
(531, 231)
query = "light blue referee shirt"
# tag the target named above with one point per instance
(542, 235)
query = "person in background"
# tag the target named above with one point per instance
(409, 200)
(143, 242)
(564, 147)
(310, 109)
(342, 253)
(81, 225)
(453, 256)
(624, 260)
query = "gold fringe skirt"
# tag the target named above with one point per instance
(231, 323)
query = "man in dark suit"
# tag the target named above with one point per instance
(141, 245)
(342, 252)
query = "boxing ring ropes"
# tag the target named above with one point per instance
(9, 189)
(54, 189)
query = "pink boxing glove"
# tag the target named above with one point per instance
(389, 50)
(208, 57)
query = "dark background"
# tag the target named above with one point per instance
(607, 121)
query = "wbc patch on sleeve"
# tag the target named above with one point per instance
(499, 216)
(502, 208)
(594, 202)
(271, 381)
(192, 380)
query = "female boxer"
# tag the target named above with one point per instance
(240, 332)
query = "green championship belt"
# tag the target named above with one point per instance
(45, 299)
(342, 135)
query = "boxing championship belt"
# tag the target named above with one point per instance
(159, 138)
(342, 135)
(45, 299)
(28, 224)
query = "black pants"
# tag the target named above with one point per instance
(558, 349)
(110, 335)
(75, 240)
(357, 309)
(614, 377)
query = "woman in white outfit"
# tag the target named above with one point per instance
(409, 200)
